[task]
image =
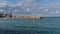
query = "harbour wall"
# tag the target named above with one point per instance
(26, 17)
(12, 16)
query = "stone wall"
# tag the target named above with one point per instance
(25, 16)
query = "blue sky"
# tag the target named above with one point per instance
(37, 1)
(34, 7)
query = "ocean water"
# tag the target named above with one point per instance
(47, 25)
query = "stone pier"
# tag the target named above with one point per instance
(38, 17)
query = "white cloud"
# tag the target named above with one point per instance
(30, 0)
(20, 4)
(15, 5)
(1, 10)
(46, 10)
(56, 11)
(51, 12)
(15, 10)
(27, 9)
(34, 8)
(41, 7)
(3, 3)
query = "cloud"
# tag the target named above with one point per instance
(46, 0)
(1, 10)
(31, 0)
(56, 11)
(51, 12)
(25, 7)
(35, 9)
(28, 0)
(3, 3)
(15, 10)
(46, 10)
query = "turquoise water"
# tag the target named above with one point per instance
(30, 26)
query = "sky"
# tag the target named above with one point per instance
(33, 1)
(31, 7)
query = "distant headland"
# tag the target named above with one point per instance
(12, 16)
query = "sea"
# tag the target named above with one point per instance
(46, 25)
